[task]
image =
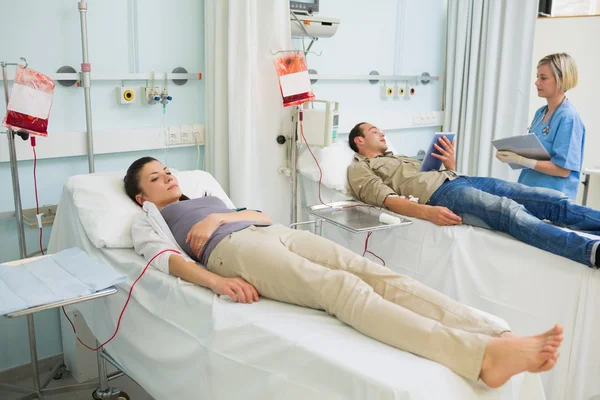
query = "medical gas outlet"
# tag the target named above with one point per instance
(387, 91)
(154, 95)
(401, 90)
(126, 95)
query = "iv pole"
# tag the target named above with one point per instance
(20, 228)
(86, 81)
(14, 171)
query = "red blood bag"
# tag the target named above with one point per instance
(294, 80)
(30, 102)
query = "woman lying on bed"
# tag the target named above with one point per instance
(241, 254)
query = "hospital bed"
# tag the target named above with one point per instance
(178, 340)
(529, 288)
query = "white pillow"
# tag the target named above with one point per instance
(106, 212)
(334, 161)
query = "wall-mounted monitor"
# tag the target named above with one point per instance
(304, 6)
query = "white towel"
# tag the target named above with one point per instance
(65, 275)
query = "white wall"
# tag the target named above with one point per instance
(47, 33)
(578, 37)
(393, 37)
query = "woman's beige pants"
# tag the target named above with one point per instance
(301, 268)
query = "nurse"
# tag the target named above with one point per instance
(559, 128)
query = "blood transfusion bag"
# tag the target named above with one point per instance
(30, 102)
(294, 80)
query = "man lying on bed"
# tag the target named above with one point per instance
(241, 254)
(377, 177)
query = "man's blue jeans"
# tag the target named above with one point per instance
(519, 210)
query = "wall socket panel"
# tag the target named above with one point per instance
(432, 118)
(184, 134)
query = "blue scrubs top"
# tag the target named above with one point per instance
(565, 143)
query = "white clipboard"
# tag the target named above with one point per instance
(524, 145)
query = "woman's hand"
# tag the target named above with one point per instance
(508, 157)
(447, 153)
(236, 288)
(201, 232)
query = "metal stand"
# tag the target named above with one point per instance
(14, 171)
(40, 389)
(294, 166)
(86, 82)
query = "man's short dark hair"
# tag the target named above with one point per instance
(354, 133)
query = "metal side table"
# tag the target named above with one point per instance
(40, 389)
(351, 215)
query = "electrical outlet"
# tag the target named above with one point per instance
(173, 135)
(187, 135)
(198, 133)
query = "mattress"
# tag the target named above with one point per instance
(178, 340)
(529, 288)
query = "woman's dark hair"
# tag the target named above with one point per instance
(132, 178)
(354, 133)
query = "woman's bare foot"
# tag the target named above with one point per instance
(510, 355)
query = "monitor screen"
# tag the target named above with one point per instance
(304, 6)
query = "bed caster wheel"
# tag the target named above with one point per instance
(59, 373)
(111, 394)
(123, 396)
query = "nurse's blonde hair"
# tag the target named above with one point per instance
(563, 68)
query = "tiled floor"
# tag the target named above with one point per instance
(134, 391)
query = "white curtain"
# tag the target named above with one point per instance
(244, 112)
(488, 73)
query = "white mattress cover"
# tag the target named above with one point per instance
(179, 340)
(529, 288)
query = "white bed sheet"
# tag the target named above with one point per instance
(178, 340)
(529, 288)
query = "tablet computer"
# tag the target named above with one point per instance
(524, 145)
(430, 163)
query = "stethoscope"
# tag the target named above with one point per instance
(539, 119)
